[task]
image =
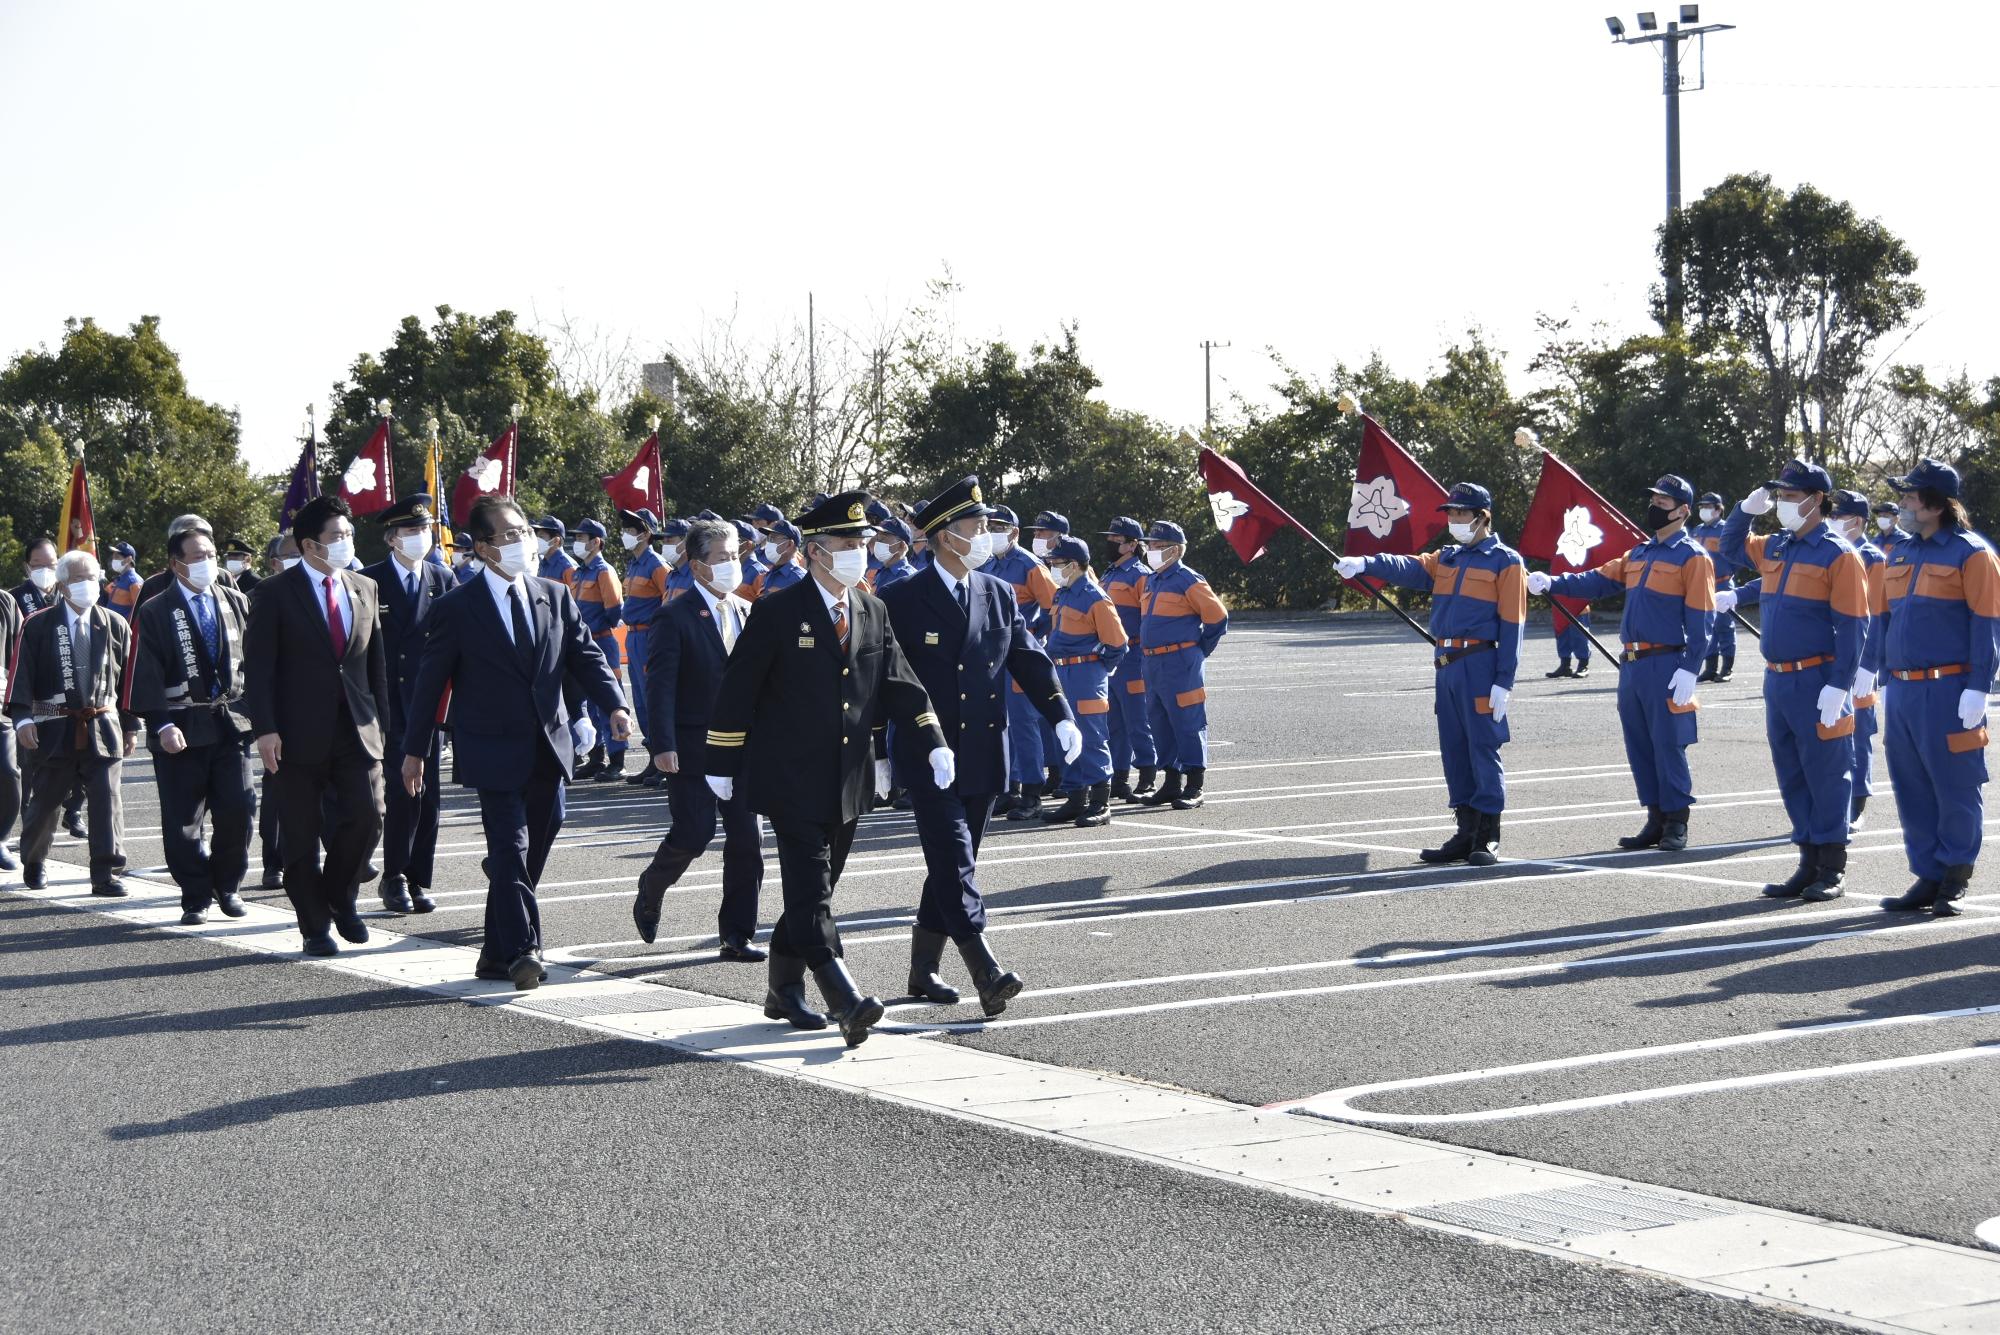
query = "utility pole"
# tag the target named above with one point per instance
(1208, 347)
(1690, 25)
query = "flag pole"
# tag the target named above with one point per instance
(1574, 620)
(1387, 604)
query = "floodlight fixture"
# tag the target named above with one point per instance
(1617, 26)
(1648, 22)
(1690, 13)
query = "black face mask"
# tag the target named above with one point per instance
(1658, 517)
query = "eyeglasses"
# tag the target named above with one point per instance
(510, 535)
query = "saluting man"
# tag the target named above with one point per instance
(1670, 607)
(1850, 520)
(1086, 640)
(814, 674)
(1937, 652)
(1180, 623)
(1035, 594)
(1478, 604)
(600, 600)
(1815, 625)
(1131, 728)
(964, 637)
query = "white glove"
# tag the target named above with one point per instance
(944, 767)
(1070, 740)
(582, 733)
(724, 789)
(1831, 698)
(1538, 582)
(1725, 600)
(1971, 708)
(881, 778)
(1680, 687)
(1350, 566)
(1864, 683)
(1498, 698)
(1758, 502)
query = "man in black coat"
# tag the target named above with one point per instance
(317, 687)
(686, 649)
(505, 644)
(187, 684)
(160, 581)
(64, 700)
(409, 584)
(10, 758)
(814, 676)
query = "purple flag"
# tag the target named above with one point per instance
(305, 484)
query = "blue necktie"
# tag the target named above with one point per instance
(204, 613)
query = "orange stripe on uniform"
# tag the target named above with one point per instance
(1512, 594)
(1204, 601)
(1698, 580)
(1849, 594)
(1982, 584)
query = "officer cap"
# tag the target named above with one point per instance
(767, 513)
(1850, 503)
(787, 530)
(878, 513)
(1166, 530)
(1005, 515)
(673, 528)
(841, 516)
(550, 524)
(1051, 522)
(744, 533)
(589, 528)
(645, 519)
(417, 509)
(1711, 498)
(1472, 496)
(1888, 508)
(1929, 473)
(1675, 488)
(235, 545)
(1124, 526)
(960, 499)
(1798, 475)
(124, 549)
(1067, 548)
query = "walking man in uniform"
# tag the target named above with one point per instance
(1131, 729)
(1180, 623)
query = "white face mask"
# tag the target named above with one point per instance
(43, 577)
(1462, 532)
(118, 565)
(414, 546)
(287, 562)
(1709, 514)
(725, 576)
(1041, 546)
(82, 594)
(884, 553)
(1064, 576)
(1883, 523)
(201, 574)
(1850, 529)
(1002, 542)
(631, 540)
(770, 550)
(235, 566)
(1791, 514)
(1156, 558)
(847, 567)
(581, 547)
(978, 548)
(340, 554)
(514, 559)
(670, 552)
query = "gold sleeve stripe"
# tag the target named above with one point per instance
(927, 719)
(716, 740)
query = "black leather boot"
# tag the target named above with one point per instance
(926, 953)
(396, 895)
(1007, 800)
(1149, 777)
(1673, 831)
(785, 994)
(845, 1005)
(1071, 809)
(1805, 874)
(1649, 833)
(1190, 797)
(1956, 879)
(1916, 899)
(1832, 863)
(614, 768)
(1121, 785)
(665, 868)
(1166, 794)
(1029, 805)
(1097, 808)
(996, 986)
(1485, 839)
(592, 766)
(1455, 848)
(1562, 669)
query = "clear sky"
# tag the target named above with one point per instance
(282, 182)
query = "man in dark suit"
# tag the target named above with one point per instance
(160, 581)
(37, 593)
(64, 702)
(689, 642)
(964, 637)
(187, 684)
(317, 687)
(409, 583)
(505, 644)
(10, 758)
(814, 676)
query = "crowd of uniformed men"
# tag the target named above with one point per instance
(804, 670)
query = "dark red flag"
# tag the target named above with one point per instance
(491, 474)
(636, 486)
(79, 526)
(1569, 525)
(369, 484)
(1246, 516)
(1394, 509)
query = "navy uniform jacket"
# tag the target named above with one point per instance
(684, 662)
(794, 722)
(403, 625)
(174, 681)
(965, 668)
(502, 709)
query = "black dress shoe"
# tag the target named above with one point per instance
(420, 902)
(525, 972)
(1582, 671)
(73, 827)
(321, 945)
(395, 896)
(8, 862)
(369, 873)
(273, 879)
(31, 876)
(491, 970)
(1564, 671)
(351, 928)
(193, 917)
(742, 952)
(111, 889)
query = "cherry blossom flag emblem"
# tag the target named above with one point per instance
(1579, 535)
(360, 475)
(1226, 508)
(1376, 507)
(1243, 513)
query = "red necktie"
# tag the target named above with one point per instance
(840, 624)
(334, 626)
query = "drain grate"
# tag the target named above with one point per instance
(1571, 1212)
(628, 1003)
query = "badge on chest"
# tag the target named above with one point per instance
(930, 637)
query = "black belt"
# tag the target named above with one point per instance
(1651, 651)
(1446, 660)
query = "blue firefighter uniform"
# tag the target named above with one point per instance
(1034, 594)
(600, 600)
(1048, 528)
(1852, 507)
(1479, 599)
(887, 575)
(1669, 588)
(778, 574)
(1721, 662)
(1086, 639)
(1815, 625)
(645, 593)
(1131, 728)
(1936, 653)
(557, 564)
(1180, 623)
(1891, 532)
(1572, 638)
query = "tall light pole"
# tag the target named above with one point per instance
(1208, 347)
(1690, 26)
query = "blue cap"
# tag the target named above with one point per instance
(550, 524)
(1929, 474)
(1166, 530)
(1004, 516)
(878, 513)
(1124, 526)
(819, 498)
(1069, 549)
(1711, 498)
(1052, 522)
(767, 513)
(124, 549)
(1888, 508)
(1471, 496)
(1850, 503)
(645, 519)
(673, 528)
(1675, 488)
(709, 515)
(787, 530)
(897, 529)
(590, 528)
(1798, 475)
(744, 533)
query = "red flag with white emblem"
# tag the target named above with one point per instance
(1394, 508)
(1569, 525)
(636, 486)
(490, 474)
(1246, 516)
(369, 484)
(78, 532)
